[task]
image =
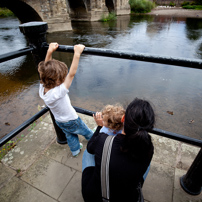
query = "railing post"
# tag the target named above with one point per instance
(36, 35)
(192, 181)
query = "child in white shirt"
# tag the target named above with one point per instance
(54, 88)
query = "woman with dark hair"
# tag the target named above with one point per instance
(131, 155)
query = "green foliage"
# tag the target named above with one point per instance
(32, 126)
(8, 146)
(195, 7)
(18, 170)
(110, 17)
(185, 3)
(172, 4)
(198, 2)
(4, 12)
(141, 6)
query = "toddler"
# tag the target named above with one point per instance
(112, 115)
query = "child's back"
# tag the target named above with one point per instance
(54, 88)
(53, 91)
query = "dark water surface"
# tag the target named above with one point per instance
(101, 80)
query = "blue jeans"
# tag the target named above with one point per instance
(89, 160)
(146, 173)
(72, 129)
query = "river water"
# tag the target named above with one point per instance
(100, 80)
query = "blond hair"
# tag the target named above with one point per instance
(113, 114)
(52, 73)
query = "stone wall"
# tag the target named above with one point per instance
(122, 7)
(54, 12)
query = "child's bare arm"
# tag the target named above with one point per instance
(52, 47)
(78, 49)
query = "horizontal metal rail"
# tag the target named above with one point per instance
(178, 137)
(184, 62)
(156, 131)
(15, 54)
(21, 127)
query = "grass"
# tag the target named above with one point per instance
(110, 17)
(141, 6)
(195, 7)
(4, 12)
(9, 146)
(192, 5)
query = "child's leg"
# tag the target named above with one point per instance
(83, 129)
(87, 160)
(72, 138)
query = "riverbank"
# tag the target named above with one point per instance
(176, 12)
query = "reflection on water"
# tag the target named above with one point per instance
(194, 28)
(101, 80)
(18, 79)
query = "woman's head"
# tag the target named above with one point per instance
(139, 119)
(139, 116)
(112, 115)
(52, 73)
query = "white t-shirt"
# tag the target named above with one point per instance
(59, 103)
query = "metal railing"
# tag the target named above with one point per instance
(183, 62)
(192, 181)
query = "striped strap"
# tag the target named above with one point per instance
(105, 167)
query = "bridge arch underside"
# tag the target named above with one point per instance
(79, 10)
(23, 11)
(90, 10)
(110, 5)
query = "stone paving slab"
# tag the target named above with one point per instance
(18, 191)
(159, 183)
(179, 194)
(173, 153)
(72, 192)
(6, 174)
(165, 150)
(62, 154)
(49, 176)
(186, 156)
(28, 150)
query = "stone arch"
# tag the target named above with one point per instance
(78, 9)
(22, 10)
(88, 4)
(110, 5)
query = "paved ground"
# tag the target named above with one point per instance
(176, 12)
(39, 169)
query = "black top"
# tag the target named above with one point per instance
(124, 171)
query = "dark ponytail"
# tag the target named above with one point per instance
(139, 119)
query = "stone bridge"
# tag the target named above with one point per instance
(59, 13)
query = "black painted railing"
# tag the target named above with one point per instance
(183, 62)
(35, 33)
